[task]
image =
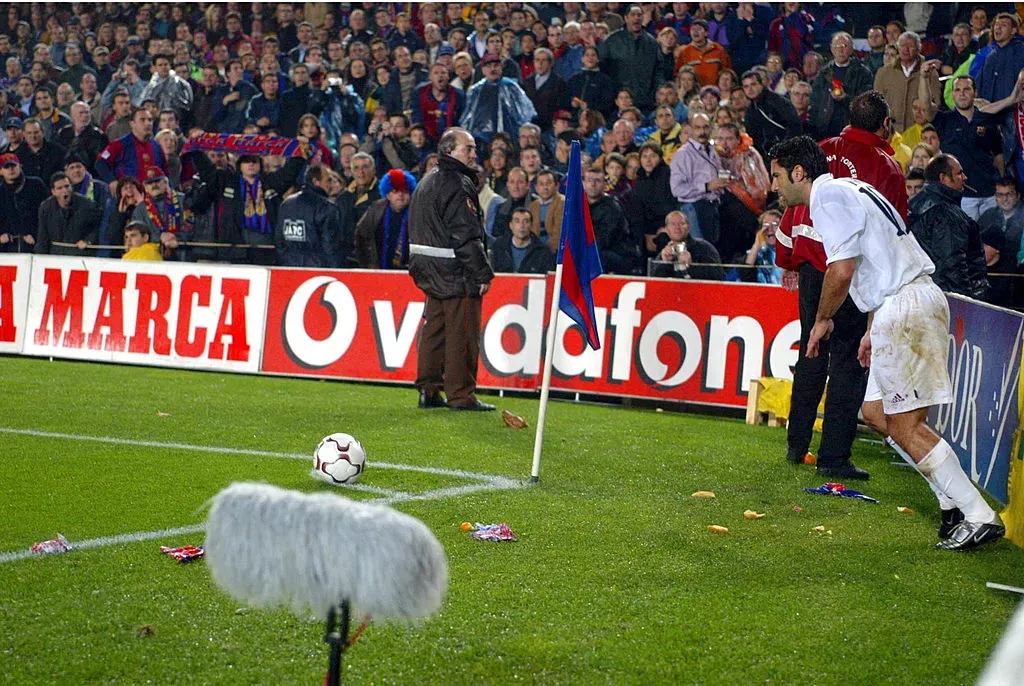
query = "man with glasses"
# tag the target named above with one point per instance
(448, 262)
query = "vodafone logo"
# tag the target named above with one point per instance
(319, 352)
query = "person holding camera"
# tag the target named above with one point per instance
(678, 251)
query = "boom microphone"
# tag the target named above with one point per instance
(273, 547)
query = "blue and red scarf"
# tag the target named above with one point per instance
(245, 144)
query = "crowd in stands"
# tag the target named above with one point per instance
(676, 107)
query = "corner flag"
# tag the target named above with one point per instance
(577, 252)
(578, 264)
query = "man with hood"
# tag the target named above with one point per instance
(382, 234)
(495, 104)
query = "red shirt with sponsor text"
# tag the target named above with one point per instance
(854, 153)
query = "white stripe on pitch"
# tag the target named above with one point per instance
(487, 482)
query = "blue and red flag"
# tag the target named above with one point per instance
(578, 254)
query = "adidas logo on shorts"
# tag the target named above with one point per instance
(897, 398)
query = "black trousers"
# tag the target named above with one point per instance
(449, 348)
(837, 363)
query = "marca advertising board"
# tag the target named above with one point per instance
(984, 366)
(15, 273)
(665, 339)
(156, 313)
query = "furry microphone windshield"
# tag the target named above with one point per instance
(271, 547)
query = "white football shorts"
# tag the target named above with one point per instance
(909, 347)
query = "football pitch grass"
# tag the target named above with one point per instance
(615, 579)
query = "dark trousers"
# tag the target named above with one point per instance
(448, 349)
(837, 363)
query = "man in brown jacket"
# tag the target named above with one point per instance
(547, 209)
(908, 78)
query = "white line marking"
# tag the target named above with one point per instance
(485, 482)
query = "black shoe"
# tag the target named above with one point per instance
(477, 406)
(844, 470)
(429, 402)
(970, 535)
(950, 518)
(795, 457)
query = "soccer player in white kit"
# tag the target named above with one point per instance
(874, 258)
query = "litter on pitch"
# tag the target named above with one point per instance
(839, 490)
(185, 553)
(493, 532)
(53, 546)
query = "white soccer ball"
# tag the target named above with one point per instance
(339, 459)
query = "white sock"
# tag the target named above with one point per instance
(942, 469)
(944, 502)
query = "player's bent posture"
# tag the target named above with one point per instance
(873, 257)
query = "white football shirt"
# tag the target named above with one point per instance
(855, 221)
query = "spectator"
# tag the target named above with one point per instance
(915, 181)
(623, 132)
(695, 181)
(678, 249)
(547, 209)
(813, 63)
(973, 138)
(205, 100)
(546, 90)
(343, 111)
(128, 79)
(38, 156)
(309, 228)
(747, 32)
(875, 58)
(403, 35)
(590, 89)
(49, 117)
(82, 137)
(249, 200)
(496, 104)
(66, 217)
(762, 252)
(669, 134)
(20, 198)
(841, 80)
(170, 91)
(361, 192)
(1001, 268)
(706, 57)
(634, 60)
(82, 182)
(130, 155)
(791, 35)
(299, 100)
(1007, 219)
(22, 98)
(438, 105)
(161, 211)
(265, 108)
(137, 245)
(75, 69)
(389, 144)
(959, 50)
(129, 195)
(65, 98)
(234, 37)
(382, 234)
(770, 118)
(909, 77)
(509, 67)
(999, 70)
(616, 184)
(800, 97)
(950, 237)
(519, 196)
(619, 252)
(234, 95)
(90, 96)
(407, 75)
(520, 251)
(568, 58)
(746, 193)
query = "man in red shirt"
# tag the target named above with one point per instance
(860, 152)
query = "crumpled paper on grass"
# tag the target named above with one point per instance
(493, 532)
(839, 490)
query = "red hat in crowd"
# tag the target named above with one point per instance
(153, 174)
(9, 158)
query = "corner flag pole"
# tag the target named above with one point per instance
(545, 388)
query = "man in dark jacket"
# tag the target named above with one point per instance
(39, 157)
(842, 79)
(249, 200)
(20, 198)
(950, 237)
(382, 234)
(66, 218)
(448, 262)
(519, 195)
(521, 251)
(620, 254)
(308, 229)
(545, 89)
(770, 118)
(634, 60)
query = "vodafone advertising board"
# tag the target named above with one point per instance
(15, 272)
(675, 340)
(155, 313)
